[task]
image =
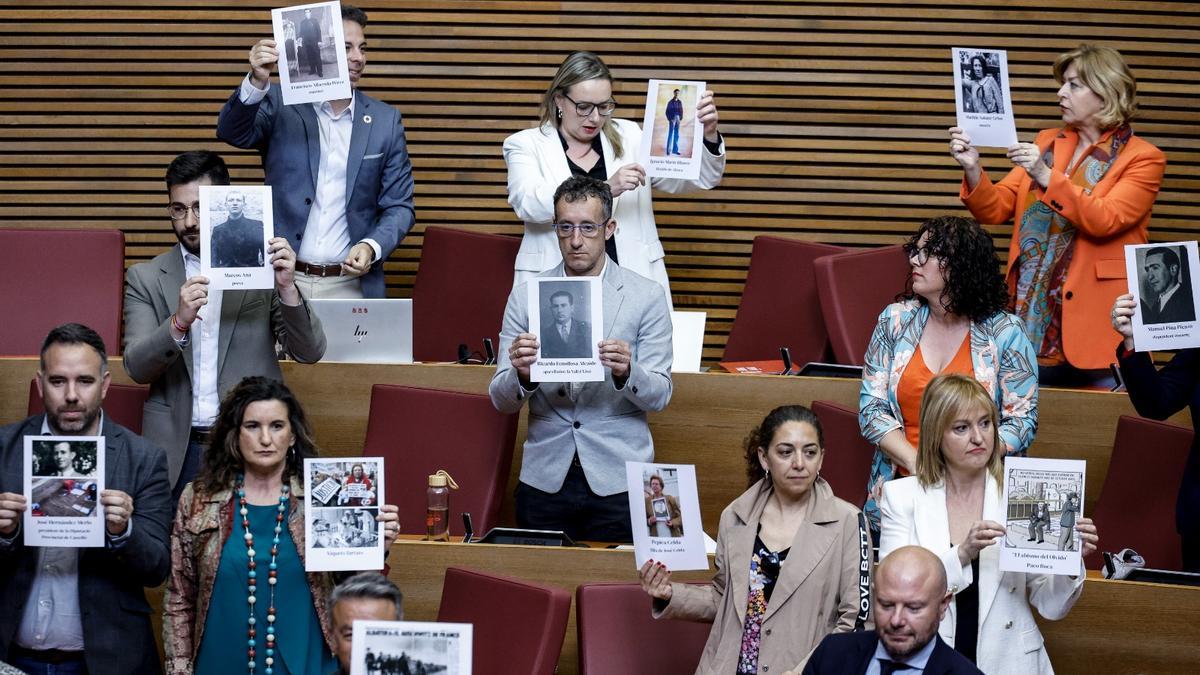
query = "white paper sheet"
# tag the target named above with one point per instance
(236, 222)
(389, 646)
(308, 74)
(343, 498)
(666, 522)
(982, 97)
(1163, 278)
(64, 476)
(567, 316)
(1043, 500)
(672, 136)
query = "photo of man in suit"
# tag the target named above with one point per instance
(310, 44)
(237, 242)
(1170, 293)
(83, 609)
(910, 599)
(192, 346)
(581, 434)
(564, 336)
(1039, 520)
(341, 177)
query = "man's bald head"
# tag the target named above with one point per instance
(910, 599)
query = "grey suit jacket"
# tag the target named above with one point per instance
(605, 425)
(251, 321)
(117, 635)
(379, 183)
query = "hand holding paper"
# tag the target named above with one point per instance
(12, 505)
(193, 295)
(1028, 156)
(118, 509)
(626, 178)
(615, 355)
(983, 533)
(1122, 318)
(706, 112)
(263, 56)
(656, 580)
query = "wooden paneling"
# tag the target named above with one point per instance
(834, 113)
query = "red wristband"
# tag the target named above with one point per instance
(175, 323)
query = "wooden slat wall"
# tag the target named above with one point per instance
(834, 113)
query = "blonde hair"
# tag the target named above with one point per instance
(946, 398)
(579, 67)
(1104, 71)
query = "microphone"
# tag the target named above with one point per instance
(489, 351)
(787, 361)
(468, 528)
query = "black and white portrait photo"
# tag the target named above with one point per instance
(236, 226)
(237, 235)
(981, 90)
(308, 45)
(74, 459)
(566, 330)
(410, 648)
(1164, 280)
(345, 528)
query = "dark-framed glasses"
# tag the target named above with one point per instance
(564, 230)
(919, 254)
(585, 109)
(179, 211)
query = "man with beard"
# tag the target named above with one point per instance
(910, 599)
(1172, 301)
(237, 242)
(192, 346)
(46, 591)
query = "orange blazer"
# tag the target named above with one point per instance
(1116, 213)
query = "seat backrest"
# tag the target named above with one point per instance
(853, 288)
(518, 626)
(52, 277)
(618, 635)
(461, 288)
(847, 464)
(779, 304)
(123, 402)
(419, 431)
(1136, 506)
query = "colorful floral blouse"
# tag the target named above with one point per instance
(764, 572)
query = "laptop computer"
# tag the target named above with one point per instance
(366, 331)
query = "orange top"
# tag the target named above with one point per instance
(913, 382)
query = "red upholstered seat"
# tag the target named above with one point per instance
(461, 288)
(779, 306)
(52, 277)
(422, 430)
(617, 635)
(123, 402)
(519, 626)
(847, 464)
(854, 287)
(1136, 505)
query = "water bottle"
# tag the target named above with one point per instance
(437, 506)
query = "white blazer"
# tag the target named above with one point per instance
(1009, 639)
(537, 165)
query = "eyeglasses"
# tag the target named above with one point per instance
(179, 211)
(564, 230)
(585, 109)
(918, 254)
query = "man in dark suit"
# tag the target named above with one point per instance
(237, 242)
(563, 336)
(910, 600)
(83, 606)
(310, 43)
(343, 187)
(1172, 301)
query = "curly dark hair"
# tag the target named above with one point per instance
(760, 436)
(975, 288)
(223, 457)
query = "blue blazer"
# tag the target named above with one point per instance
(379, 183)
(850, 653)
(117, 636)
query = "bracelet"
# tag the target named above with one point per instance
(176, 324)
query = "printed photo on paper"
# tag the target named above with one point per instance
(312, 53)
(664, 506)
(235, 225)
(982, 96)
(567, 316)
(386, 647)
(1164, 279)
(64, 476)
(341, 530)
(672, 135)
(1043, 500)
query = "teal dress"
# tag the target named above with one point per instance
(300, 646)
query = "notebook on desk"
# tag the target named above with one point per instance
(366, 331)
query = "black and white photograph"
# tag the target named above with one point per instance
(312, 53)
(982, 96)
(664, 509)
(410, 648)
(236, 225)
(1163, 280)
(672, 135)
(1043, 500)
(340, 520)
(64, 476)
(566, 315)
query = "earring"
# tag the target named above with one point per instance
(559, 110)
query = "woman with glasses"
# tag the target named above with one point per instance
(578, 135)
(951, 319)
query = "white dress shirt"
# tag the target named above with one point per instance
(204, 339)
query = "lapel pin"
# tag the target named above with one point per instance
(366, 119)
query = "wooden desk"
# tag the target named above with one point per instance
(706, 423)
(1116, 627)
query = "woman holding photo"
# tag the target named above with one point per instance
(953, 507)
(238, 542)
(789, 555)
(1076, 195)
(578, 136)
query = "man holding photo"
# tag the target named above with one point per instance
(72, 607)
